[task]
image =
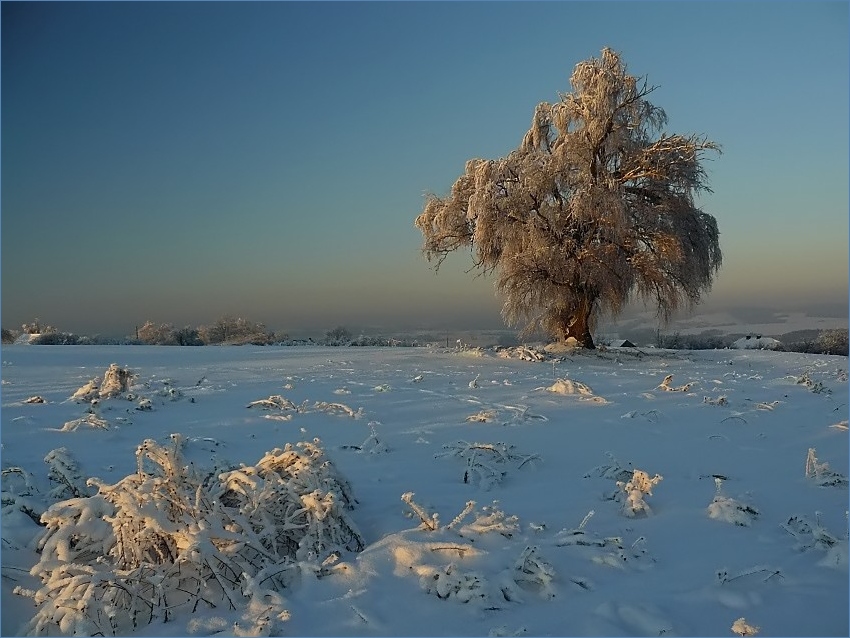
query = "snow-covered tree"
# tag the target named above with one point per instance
(156, 334)
(238, 331)
(595, 206)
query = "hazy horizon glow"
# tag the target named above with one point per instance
(177, 162)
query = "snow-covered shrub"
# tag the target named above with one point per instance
(634, 491)
(531, 573)
(451, 582)
(484, 461)
(817, 387)
(116, 380)
(833, 342)
(489, 520)
(295, 502)
(65, 473)
(20, 495)
(742, 628)
(373, 444)
(609, 551)
(613, 470)
(665, 385)
(815, 536)
(570, 387)
(90, 419)
(274, 402)
(724, 508)
(521, 352)
(170, 537)
(821, 474)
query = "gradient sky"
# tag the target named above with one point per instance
(182, 161)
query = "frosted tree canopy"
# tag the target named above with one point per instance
(594, 208)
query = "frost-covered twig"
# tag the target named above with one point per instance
(724, 577)
(430, 523)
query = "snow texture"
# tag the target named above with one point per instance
(424, 504)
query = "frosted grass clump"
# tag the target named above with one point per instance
(171, 538)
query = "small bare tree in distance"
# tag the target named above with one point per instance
(594, 208)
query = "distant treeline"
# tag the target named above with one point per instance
(238, 331)
(224, 331)
(809, 341)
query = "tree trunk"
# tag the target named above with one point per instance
(577, 325)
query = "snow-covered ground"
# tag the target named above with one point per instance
(623, 492)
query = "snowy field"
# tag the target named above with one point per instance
(590, 495)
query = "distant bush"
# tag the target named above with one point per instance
(230, 331)
(339, 336)
(693, 342)
(363, 340)
(35, 328)
(187, 336)
(825, 342)
(156, 334)
(833, 342)
(56, 339)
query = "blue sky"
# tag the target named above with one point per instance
(181, 161)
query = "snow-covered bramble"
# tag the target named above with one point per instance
(634, 491)
(172, 537)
